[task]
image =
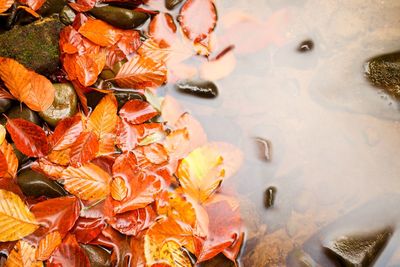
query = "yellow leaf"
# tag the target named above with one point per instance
(16, 221)
(103, 120)
(89, 182)
(2, 134)
(177, 207)
(23, 255)
(118, 189)
(170, 253)
(201, 173)
(47, 245)
(11, 158)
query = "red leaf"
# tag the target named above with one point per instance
(198, 18)
(66, 132)
(137, 111)
(70, 41)
(80, 91)
(133, 222)
(129, 42)
(83, 5)
(162, 29)
(84, 149)
(34, 4)
(69, 253)
(29, 138)
(87, 229)
(3, 165)
(5, 5)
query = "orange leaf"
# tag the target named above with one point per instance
(141, 73)
(177, 144)
(23, 255)
(30, 11)
(60, 157)
(34, 4)
(197, 136)
(5, 5)
(50, 169)
(129, 42)
(29, 138)
(3, 165)
(100, 32)
(118, 189)
(41, 93)
(47, 245)
(162, 29)
(66, 132)
(5, 95)
(11, 159)
(69, 253)
(89, 182)
(103, 120)
(137, 111)
(84, 149)
(16, 77)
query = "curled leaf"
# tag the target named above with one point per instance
(16, 221)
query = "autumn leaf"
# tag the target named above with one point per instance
(89, 182)
(29, 138)
(11, 159)
(177, 144)
(103, 120)
(141, 73)
(162, 29)
(41, 93)
(5, 94)
(177, 207)
(82, 5)
(16, 221)
(100, 32)
(69, 253)
(201, 173)
(137, 111)
(34, 4)
(154, 153)
(5, 5)
(47, 245)
(171, 110)
(84, 149)
(66, 132)
(87, 229)
(129, 42)
(3, 165)
(119, 189)
(23, 255)
(52, 170)
(197, 136)
(2, 134)
(198, 18)
(57, 214)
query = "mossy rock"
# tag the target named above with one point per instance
(34, 45)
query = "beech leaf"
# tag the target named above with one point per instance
(100, 32)
(137, 111)
(10, 158)
(103, 120)
(47, 245)
(5, 5)
(23, 255)
(84, 149)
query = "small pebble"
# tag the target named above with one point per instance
(270, 195)
(305, 46)
(265, 148)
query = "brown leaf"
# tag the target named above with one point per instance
(100, 32)
(5, 5)
(89, 182)
(84, 149)
(137, 111)
(29, 138)
(141, 73)
(47, 245)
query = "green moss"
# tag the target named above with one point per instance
(34, 45)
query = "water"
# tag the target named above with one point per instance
(335, 139)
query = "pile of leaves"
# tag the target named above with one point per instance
(142, 181)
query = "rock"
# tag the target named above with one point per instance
(384, 71)
(35, 184)
(65, 104)
(359, 249)
(52, 7)
(22, 112)
(305, 46)
(20, 156)
(218, 261)
(34, 45)
(171, 4)
(269, 198)
(120, 17)
(5, 104)
(67, 15)
(98, 256)
(201, 88)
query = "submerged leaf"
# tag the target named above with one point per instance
(16, 221)
(137, 111)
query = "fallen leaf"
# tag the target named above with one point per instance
(34, 4)
(137, 111)
(52, 170)
(16, 220)
(162, 29)
(41, 93)
(5, 5)
(23, 255)
(47, 245)
(118, 189)
(29, 138)
(84, 149)
(88, 182)
(87, 229)
(177, 207)
(15, 77)
(130, 42)
(141, 73)
(83, 5)
(171, 110)
(197, 136)
(3, 165)
(11, 159)
(103, 120)
(69, 253)
(5, 95)
(99, 32)
(60, 157)
(66, 132)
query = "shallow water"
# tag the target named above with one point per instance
(334, 138)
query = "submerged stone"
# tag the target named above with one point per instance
(5, 104)
(98, 256)
(22, 112)
(269, 198)
(201, 88)
(52, 7)
(35, 184)
(358, 250)
(384, 71)
(120, 17)
(34, 45)
(67, 15)
(171, 4)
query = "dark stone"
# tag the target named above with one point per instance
(120, 17)
(67, 15)
(52, 7)
(98, 256)
(21, 112)
(305, 46)
(36, 184)
(218, 261)
(298, 258)
(358, 249)
(171, 4)
(34, 45)
(5, 104)
(200, 88)
(65, 104)
(20, 156)
(384, 72)
(270, 195)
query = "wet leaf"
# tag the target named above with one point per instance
(57, 214)
(2, 134)
(100, 32)
(84, 149)
(198, 19)
(137, 111)
(171, 110)
(60, 157)
(177, 207)
(41, 93)
(3, 165)
(34, 4)
(5, 5)
(141, 73)
(11, 159)
(66, 132)
(89, 182)
(162, 29)
(118, 189)
(201, 173)
(23, 255)
(29, 138)
(177, 144)
(16, 219)
(87, 229)
(47, 245)
(129, 42)
(197, 136)
(52, 170)
(103, 120)
(71, 41)
(5, 94)
(69, 253)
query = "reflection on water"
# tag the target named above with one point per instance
(335, 138)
